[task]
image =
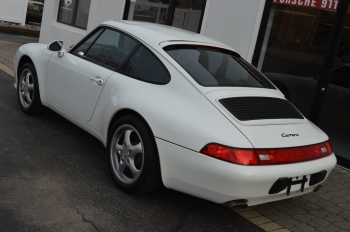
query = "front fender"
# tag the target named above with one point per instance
(39, 56)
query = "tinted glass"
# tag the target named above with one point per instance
(154, 11)
(74, 12)
(145, 66)
(217, 67)
(294, 49)
(334, 117)
(82, 16)
(66, 12)
(111, 48)
(82, 48)
(188, 14)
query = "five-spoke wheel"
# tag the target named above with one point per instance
(28, 90)
(127, 153)
(133, 155)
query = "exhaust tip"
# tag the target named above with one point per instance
(318, 188)
(237, 204)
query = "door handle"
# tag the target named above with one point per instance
(97, 79)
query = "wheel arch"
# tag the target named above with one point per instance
(24, 59)
(121, 113)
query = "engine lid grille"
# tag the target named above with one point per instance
(258, 108)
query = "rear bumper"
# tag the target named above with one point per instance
(218, 181)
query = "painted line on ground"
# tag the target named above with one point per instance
(7, 70)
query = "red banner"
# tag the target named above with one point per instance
(319, 4)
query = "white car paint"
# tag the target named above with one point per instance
(183, 115)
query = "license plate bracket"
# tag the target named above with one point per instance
(295, 182)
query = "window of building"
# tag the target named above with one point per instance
(74, 12)
(185, 14)
(305, 51)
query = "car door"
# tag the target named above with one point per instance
(75, 81)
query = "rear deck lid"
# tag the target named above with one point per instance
(266, 118)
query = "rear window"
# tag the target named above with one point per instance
(214, 67)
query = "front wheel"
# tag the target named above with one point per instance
(133, 156)
(28, 90)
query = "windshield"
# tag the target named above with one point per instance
(213, 67)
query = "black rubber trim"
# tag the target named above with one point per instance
(317, 177)
(259, 108)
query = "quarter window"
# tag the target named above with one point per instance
(145, 66)
(74, 12)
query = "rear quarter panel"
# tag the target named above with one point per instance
(176, 112)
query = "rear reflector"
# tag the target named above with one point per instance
(268, 156)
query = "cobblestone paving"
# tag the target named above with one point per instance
(327, 210)
(7, 52)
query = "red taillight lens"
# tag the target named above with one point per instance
(268, 156)
(232, 155)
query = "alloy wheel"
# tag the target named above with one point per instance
(26, 88)
(127, 154)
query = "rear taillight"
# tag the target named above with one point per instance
(268, 156)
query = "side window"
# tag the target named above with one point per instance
(145, 66)
(111, 48)
(82, 48)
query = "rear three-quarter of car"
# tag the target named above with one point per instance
(201, 119)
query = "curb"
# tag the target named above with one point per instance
(19, 31)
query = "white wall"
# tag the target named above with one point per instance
(100, 11)
(235, 23)
(13, 11)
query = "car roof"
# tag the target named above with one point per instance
(155, 34)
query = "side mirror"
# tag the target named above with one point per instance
(56, 46)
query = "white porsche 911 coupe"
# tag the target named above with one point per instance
(178, 109)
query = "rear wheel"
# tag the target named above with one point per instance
(133, 156)
(28, 90)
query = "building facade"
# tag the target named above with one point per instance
(302, 46)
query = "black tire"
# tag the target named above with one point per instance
(149, 179)
(23, 86)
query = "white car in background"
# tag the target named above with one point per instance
(178, 109)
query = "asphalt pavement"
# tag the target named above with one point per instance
(54, 177)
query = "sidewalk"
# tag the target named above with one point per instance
(327, 210)
(7, 54)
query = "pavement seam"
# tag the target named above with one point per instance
(253, 216)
